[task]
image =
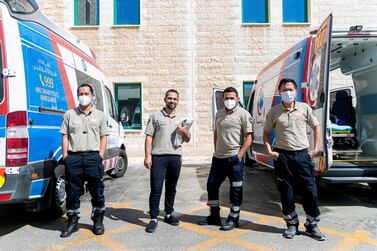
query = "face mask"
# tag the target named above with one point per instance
(84, 100)
(230, 104)
(288, 96)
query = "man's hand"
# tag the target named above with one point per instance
(239, 156)
(274, 155)
(148, 162)
(313, 153)
(181, 130)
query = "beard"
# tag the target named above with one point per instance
(171, 106)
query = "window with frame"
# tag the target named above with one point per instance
(86, 12)
(128, 102)
(255, 11)
(126, 12)
(295, 11)
(83, 78)
(110, 104)
(247, 87)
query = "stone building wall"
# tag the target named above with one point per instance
(194, 46)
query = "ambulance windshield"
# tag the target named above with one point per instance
(22, 6)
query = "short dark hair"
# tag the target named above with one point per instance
(230, 89)
(284, 81)
(171, 90)
(86, 85)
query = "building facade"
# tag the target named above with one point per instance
(145, 47)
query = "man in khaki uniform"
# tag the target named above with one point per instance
(164, 158)
(84, 143)
(292, 160)
(232, 138)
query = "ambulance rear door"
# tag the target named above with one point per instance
(318, 91)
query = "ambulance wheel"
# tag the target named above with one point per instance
(122, 165)
(58, 198)
(373, 186)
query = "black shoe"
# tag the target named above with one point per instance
(290, 232)
(151, 227)
(97, 217)
(315, 233)
(71, 226)
(213, 218)
(230, 223)
(171, 220)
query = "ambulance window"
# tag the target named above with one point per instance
(110, 103)
(1, 74)
(83, 78)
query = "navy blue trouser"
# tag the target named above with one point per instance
(164, 168)
(81, 167)
(295, 172)
(220, 169)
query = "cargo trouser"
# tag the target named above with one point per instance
(164, 168)
(295, 172)
(81, 167)
(220, 169)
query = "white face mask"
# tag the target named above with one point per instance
(288, 96)
(230, 104)
(85, 100)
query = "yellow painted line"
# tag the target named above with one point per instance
(250, 245)
(352, 240)
(119, 205)
(220, 237)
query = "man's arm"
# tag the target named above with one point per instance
(317, 135)
(246, 145)
(185, 135)
(266, 141)
(65, 145)
(102, 145)
(147, 149)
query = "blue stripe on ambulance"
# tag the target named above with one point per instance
(45, 90)
(44, 136)
(2, 126)
(38, 188)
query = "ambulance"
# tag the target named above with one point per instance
(42, 65)
(336, 73)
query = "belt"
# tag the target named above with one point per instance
(279, 150)
(73, 153)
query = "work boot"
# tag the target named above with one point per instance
(230, 223)
(314, 232)
(171, 220)
(291, 231)
(213, 218)
(152, 226)
(71, 226)
(97, 217)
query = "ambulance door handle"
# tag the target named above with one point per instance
(109, 125)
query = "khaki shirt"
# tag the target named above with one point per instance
(84, 130)
(231, 128)
(162, 127)
(291, 125)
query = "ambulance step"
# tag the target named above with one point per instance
(349, 179)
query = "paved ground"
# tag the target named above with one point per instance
(348, 219)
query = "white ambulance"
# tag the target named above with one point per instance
(42, 66)
(336, 73)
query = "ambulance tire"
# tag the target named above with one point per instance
(373, 186)
(122, 165)
(58, 196)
